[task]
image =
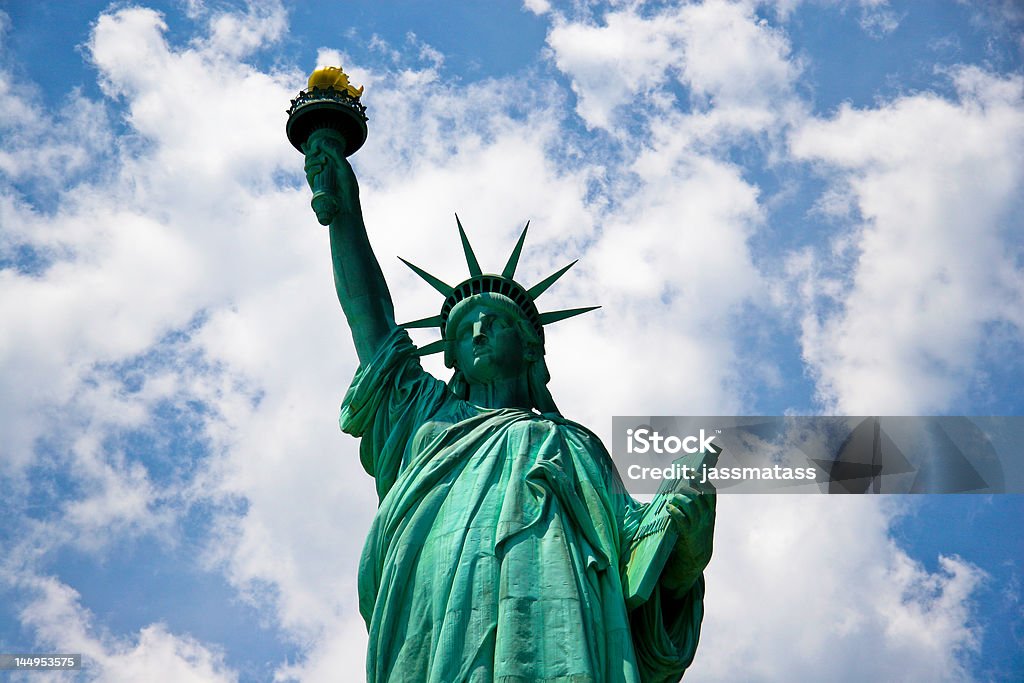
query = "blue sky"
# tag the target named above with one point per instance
(791, 206)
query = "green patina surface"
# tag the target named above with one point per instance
(503, 535)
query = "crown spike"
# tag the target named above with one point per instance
(432, 347)
(555, 316)
(441, 287)
(432, 321)
(513, 259)
(474, 265)
(542, 286)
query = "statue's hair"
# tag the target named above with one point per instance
(537, 375)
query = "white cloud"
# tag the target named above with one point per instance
(730, 61)
(937, 184)
(611, 65)
(538, 7)
(672, 268)
(733, 58)
(801, 587)
(343, 645)
(153, 654)
(237, 35)
(879, 21)
(676, 87)
(44, 147)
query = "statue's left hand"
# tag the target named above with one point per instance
(693, 515)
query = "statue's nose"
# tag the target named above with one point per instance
(479, 336)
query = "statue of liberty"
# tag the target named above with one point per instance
(503, 536)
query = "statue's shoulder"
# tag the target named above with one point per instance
(572, 427)
(580, 436)
(590, 455)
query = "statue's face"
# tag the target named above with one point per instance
(488, 346)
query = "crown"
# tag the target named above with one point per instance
(480, 282)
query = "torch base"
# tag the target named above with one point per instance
(326, 109)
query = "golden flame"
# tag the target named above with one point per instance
(332, 77)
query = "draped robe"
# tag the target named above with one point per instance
(499, 544)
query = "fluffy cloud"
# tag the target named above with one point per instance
(677, 88)
(807, 585)
(934, 186)
(61, 624)
(728, 60)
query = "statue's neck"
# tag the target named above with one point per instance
(506, 393)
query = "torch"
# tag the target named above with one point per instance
(329, 101)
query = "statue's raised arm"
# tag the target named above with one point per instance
(362, 290)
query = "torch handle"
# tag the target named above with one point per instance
(324, 203)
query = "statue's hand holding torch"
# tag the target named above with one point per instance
(327, 123)
(330, 176)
